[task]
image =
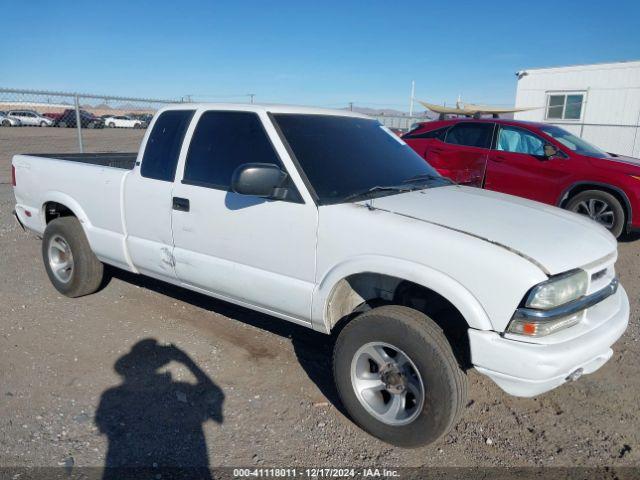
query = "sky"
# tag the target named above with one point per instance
(325, 53)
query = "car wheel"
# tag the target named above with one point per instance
(71, 265)
(111, 125)
(91, 125)
(43, 124)
(62, 124)
(398, 377)
(6, 123)
(602, 207)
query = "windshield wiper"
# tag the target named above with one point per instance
(428, 176)
(378, 188)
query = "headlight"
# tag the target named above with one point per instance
(558, 290)
(536, 319)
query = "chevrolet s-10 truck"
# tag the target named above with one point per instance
(328, 220)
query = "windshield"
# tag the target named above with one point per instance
(574, 143)
(348, 158)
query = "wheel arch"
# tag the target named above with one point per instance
(60, 204)
(354, 283)
(582, 186)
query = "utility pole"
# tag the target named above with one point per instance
(413, 93)
(351, 106)
(251, 95)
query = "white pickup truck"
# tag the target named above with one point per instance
(326, 219)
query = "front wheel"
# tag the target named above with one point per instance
(43, 124)
(601, 207)
(71, 265)
(6, 123)
(398, 377)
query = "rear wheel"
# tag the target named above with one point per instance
(6, 123)
(71, 265)
(43, 124)
(601, 207)
(62, 124)
(397, 376)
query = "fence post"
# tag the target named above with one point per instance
(78, 122)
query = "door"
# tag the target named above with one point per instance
(26, 118)
(147, 196)
(246, 249)
(517, 165)
(463, 152)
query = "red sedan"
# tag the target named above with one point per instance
(537, 161)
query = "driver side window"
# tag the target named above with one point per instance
(517, 140)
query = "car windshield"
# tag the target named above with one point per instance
(349, 158)
(574, 143)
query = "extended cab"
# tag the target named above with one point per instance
(537, 161)
(328, 220)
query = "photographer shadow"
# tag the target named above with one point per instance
(154, 424)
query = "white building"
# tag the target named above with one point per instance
(600, 102)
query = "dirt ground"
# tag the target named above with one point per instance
(257, 388)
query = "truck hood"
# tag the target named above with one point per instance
(553, 239)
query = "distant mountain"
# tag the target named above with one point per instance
(388, 112)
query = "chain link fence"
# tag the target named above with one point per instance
(81, 117)
(96, 123)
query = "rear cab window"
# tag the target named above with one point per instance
(163, 146)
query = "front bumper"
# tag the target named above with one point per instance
(527, 369)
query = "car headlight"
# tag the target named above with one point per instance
(558, 290)
(537, 317)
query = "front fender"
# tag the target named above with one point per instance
(439, 282)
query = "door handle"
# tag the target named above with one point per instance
(181, 204)
(498, 158)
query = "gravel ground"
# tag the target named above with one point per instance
(258, 389)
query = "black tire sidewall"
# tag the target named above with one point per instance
(86, 267)
(613, 202)
(428, 354)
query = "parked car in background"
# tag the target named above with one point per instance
(144, 117)
(52, 115)
(122, 121)
(87, 119)
(537, 161)
(6, 121)
(30, 118)
(322, 218)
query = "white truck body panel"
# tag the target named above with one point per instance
(480, 250)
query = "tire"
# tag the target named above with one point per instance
(43, 124)
(91, 125)
(6, 123)
(601, 207)
(63, 242)
(431, 362)
(62, 124)
(111, 125)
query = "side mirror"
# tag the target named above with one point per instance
(550, 151)
(259, 180)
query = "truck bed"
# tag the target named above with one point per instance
(125, 161)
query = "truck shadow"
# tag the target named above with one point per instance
(312, 349)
